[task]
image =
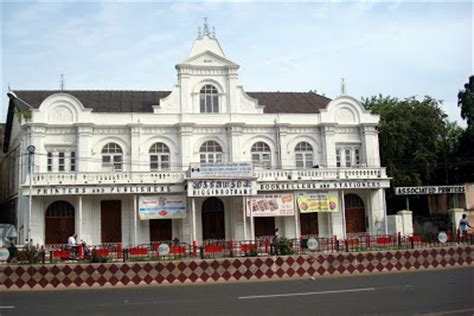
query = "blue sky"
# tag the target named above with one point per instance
(398, 48)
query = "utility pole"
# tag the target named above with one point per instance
(31, 151)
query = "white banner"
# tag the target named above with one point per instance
(161, 206)
(229, 170)
(272, 205)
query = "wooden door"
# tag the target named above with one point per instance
(160, 229)
(355, 220)
(264, 226)
(59, 222)
(111, 221)
(213, 224)
(309, 223)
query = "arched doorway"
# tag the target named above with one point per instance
(59, 222)
(309, 223)
(213, 225)
(355, 214)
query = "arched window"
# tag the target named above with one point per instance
(304, 155)
(210, 152)
(112, 156)
(159, 157)
(209, 99)
(261, 155)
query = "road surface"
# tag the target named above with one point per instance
(438, 292)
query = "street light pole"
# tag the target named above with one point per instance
(31, 151)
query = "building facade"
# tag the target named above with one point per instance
(206, 160)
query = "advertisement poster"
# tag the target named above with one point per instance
(273, 205)
(162, 207)
(318, 202)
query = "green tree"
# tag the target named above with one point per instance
(412, 140)
(466, 102)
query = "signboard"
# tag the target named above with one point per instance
(273, 205)
(224, 170)
(442, 237)
(312, 243)
(163, 250)
(221, 187)
(106, 189)
(161, 206)
(322, 185)
(318, 202)
(452, 189)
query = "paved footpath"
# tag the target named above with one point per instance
(435, 292)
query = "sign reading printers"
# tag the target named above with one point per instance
(318, 202)
(162, 206)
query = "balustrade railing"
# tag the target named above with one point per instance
(144, 177)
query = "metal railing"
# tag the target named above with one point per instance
(265, 246)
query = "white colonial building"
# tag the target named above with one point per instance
(206, 160)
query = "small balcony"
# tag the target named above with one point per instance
(95, 178)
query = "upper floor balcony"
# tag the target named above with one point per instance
(163, 177)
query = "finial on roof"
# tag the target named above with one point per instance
(343, 87)
(213, 32)
(9, 88)
(199, 33)
(205, 29)
(61, 82)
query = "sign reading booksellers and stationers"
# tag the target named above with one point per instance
(447, 189)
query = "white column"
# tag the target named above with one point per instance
(134, 220)
(78, 218)
(329, 145)
(284, 160)
(83, 149)
(244, 211)
(193, 217)
(135, 134)
(297, 218)
(252, 230)
(343, 210)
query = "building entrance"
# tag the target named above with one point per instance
(309, 223)
(111, 221)
(264, 226)
(160, 229)
(59, 222)
(355, 214)
(213, 224)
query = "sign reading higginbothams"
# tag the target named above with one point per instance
(451, 189)
(225, 187)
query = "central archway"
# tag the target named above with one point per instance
(59, 222)
(212, 215)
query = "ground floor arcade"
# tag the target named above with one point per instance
(114, 218)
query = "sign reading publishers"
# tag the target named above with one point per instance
(272, 205)
(225, 170)
(161, 206)
(430, 190)
(318, 202)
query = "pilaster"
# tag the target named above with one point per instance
(83, 143)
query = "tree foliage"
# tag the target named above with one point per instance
(466, 102)
(412, 137)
